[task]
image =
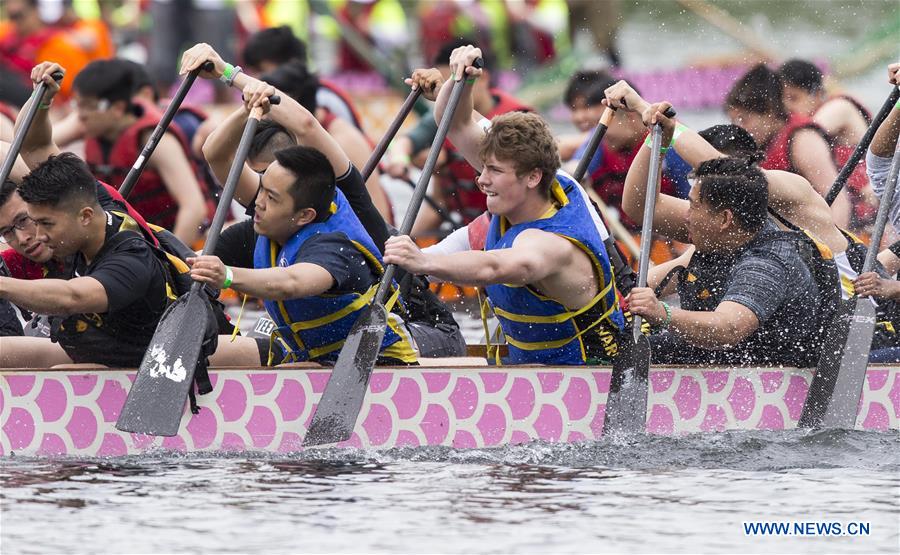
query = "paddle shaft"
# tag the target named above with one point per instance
(138, 168)
(37, 97)
(863, 145)
(884, 209)
(234, 175)
(382, 145)
(594, 143)
(649, 209)
(422, 185)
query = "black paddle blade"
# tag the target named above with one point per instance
(339, 407)
(156, 401)
(626, 405)
(837, 386)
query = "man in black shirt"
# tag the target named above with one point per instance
(747, 296)
(117, 291)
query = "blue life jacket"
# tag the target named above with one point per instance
(539, 329)
(315, 328)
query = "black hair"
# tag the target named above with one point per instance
(801, 74)
(760, 91)
(442, 57)
(314, 182)
(736, 184)
(295, 80)
(6, 190)
(589, 85)
(61, 179)
(140, 77)
(106, 79)
(733, 140)
(277, 45)
(270, 137)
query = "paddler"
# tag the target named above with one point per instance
(434, 331)
(544, 267)
(315, 266)
(746, 294)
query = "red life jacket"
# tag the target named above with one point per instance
(457, 177)
(609, 179)
(778, 150)
(149, 196)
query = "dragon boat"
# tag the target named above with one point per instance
(459, 402)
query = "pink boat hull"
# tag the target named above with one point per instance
(73, 412)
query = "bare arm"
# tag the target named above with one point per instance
(277, 284)
(657, 273)
(56, 296)
(465, 132)
(178, 176)
(68, 130)
(358, 150)
(885, 140)
(534, 256)
(729, 324)
(811, 155)
(219, 150)
(671, 214)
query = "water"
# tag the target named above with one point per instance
(652, 494)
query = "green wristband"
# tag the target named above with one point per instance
(229, 277)
(226, 73)
(668, 321)
(897, 105)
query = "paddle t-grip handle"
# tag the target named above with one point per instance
(138, 167)
(37, 97)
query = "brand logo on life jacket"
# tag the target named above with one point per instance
(282, 262)
(176, 373)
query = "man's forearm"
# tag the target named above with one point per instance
(709, 330)
(222, 143)
(45, 296)
(885, 140)
(473, 268)
(273, 284)
(40, 134)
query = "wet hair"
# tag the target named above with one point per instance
(801, 74)
(735, 184)
(314, 181)
(733, 140)
(6, 190)
(442, 57)
(270, 137)
(760, 91)
(277, 45)
(61, 180)
(295, 80)
(106, 79)
(525, 140)
(589, 85)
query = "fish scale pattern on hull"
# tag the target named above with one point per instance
(57, 412)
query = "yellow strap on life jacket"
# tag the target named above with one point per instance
(237, 324)
(540, 345)
(357, 304)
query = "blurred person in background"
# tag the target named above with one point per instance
(381, 23)
(792, 142)
(538, 29)
(169, 192)
(843, 118)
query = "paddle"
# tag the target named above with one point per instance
(594, 143)
(339, 407)
(156, 401)
(862, 147)
(626, 405)
(37, 96)
(138, 168)
(382, 145)
(835, 391)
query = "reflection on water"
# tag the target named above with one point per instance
(650, 493)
